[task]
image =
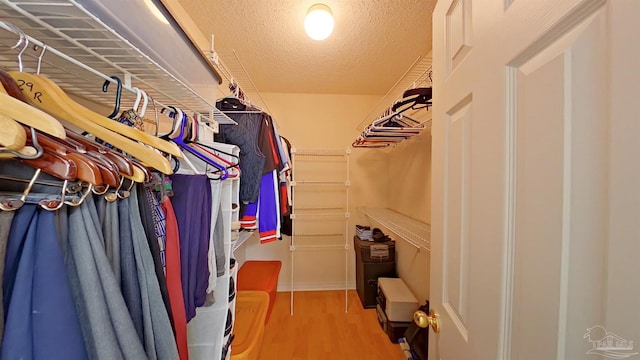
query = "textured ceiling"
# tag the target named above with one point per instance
(373, 43)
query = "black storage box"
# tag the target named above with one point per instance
(371, 251)
(394, 329)
(372, 264)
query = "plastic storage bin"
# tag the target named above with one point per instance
(251, 310)
(260, 275)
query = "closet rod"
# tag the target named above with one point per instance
(49, 49)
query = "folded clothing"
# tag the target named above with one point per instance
(364, 232)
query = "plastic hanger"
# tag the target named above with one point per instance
(116, 106)
(140, 95)
(47, 96)
(194, 128)
(178, 116)
(180, 141)
(210, 151)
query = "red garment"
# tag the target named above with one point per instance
(174, 281)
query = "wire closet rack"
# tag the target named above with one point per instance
(419, 74)
(410, 230)
(79, 52)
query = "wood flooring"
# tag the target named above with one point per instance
(320, 329)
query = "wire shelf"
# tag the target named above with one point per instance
(242, 238)
(73, 36)
(316, 214)
(319, 247)
(418, 74)
(320, 152)
(232, 69)
(319, 182)
(413, 231)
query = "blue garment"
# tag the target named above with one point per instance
(42, 322)
(15, 244)
(192, 205)
(128, 271)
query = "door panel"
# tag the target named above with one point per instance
(459, 30)
(539, 199)
(520, 189)
(456, 250)
(560, 194)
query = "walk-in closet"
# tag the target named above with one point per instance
(299, 180)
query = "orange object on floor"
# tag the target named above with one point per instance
(260, 275)
(251, 310)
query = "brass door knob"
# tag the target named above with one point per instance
(423, 320)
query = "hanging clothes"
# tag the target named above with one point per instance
(154, 225)
(158, 334)
(286, 191)
(252, 160)
(5, 224)
(107, 327)
(174, 279)
(217, 259)
(269, 209)
(41, 322)
(261, 210)
(192, 205)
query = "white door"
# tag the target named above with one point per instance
(536, 179)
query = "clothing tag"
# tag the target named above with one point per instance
(379, 251)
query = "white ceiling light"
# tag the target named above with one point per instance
(319, 22)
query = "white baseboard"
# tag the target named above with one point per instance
(316, 286)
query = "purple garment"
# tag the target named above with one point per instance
(192, 205)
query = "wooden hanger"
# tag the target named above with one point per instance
(87, 170)
(125, 167)
(30, 116)
(54, 165)
(108, 169)
(49, 86)
(48, 97)
(12, 135)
